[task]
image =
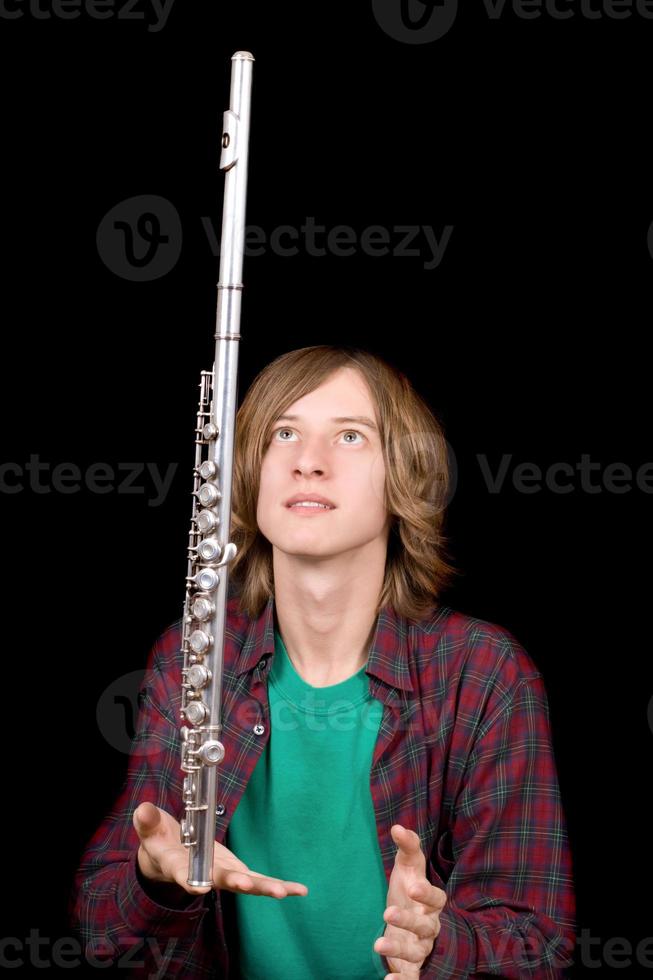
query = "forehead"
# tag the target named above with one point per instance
(345, 395)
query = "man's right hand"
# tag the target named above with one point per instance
(163, 858)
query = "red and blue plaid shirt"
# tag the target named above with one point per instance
(463, 756)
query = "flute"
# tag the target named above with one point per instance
(209, 551)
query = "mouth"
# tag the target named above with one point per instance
(309, 500)
(309, 509)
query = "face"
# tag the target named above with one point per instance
(341, 461)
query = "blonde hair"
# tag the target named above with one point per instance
(416, 483)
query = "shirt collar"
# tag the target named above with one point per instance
(388, 658)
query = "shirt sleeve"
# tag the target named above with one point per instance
(120, 917)
(510, 899)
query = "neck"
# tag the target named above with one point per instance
(326, 612)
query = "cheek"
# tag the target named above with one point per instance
(263, 492)
(264, 516)
(266, 479)
(377, 481)
(269, 492)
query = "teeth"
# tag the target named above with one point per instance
(309, 503)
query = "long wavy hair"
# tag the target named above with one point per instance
(417, 477)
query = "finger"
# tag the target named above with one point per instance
(290, 887)
(288, 884)
(253, 883)
(431, 896)
(406, 839)
(399, 948)
(409, 846)
(146, 819)
(420, 924)
(279, 887)
(272, 887)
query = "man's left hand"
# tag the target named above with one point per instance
(413, 907)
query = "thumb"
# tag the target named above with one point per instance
(146, 819)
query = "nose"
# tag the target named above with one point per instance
(307, 471)
(310, 459)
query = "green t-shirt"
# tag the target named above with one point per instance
(307, 815)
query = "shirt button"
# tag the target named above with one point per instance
(258, 729)
(219, 809)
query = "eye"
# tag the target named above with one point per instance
(354, 432)
(281, 430)
(347, 432)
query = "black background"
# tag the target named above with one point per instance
(529, 138)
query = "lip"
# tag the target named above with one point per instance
(315, 497)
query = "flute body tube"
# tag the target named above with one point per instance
(209, 550)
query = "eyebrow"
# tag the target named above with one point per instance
(360, 419)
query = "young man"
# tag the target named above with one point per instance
(389, 774)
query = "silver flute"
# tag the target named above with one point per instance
(209, 550)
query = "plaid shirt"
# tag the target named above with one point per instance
(463, 756)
